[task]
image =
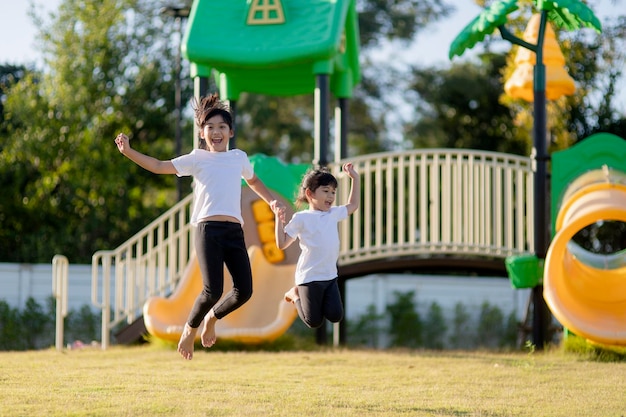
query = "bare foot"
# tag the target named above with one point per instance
(208, 330)
(292, 295)
(187, 339)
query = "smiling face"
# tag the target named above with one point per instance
(216, 133)
(322, 198)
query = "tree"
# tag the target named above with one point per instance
(9, 76)
(434, 327)
(461, 332)
(365, 330)
(596, 64)
(390, 20)
(460, 107)
(490, 329)
(405, 328)
(107, 69)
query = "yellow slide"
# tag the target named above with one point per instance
(264, 317)
(587, 292)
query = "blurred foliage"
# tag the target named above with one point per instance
(403, 326)
(108, 66)
(603, 237)
(459, 107)
(593, 351)
(434, 327)
(405, 323)
(67, 190)
(34, 325)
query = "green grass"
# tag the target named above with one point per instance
(152, 380)
(593, 351)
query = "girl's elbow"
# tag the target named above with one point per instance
(283, 244)
(352, 208)
(254, 181)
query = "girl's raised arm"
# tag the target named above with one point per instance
(355, 188)
(147, 162)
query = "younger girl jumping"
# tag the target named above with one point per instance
(316, 293)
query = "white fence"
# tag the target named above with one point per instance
(19, 282)
(439, 201)
(150, 263)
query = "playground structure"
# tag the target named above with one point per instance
(436, 208)
(586, 292)
(417, 204)
(577, 291)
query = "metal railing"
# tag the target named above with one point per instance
(438, 201)
(416, 203)
(149, 264)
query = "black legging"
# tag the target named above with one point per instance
(219, 243)
(319, 300)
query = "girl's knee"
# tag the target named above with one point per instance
(242, 294)
(211, 297)
(314, 324)
(335, 316)
(335, 319)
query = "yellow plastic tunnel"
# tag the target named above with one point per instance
(586, 292)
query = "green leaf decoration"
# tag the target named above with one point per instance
(482, 25)
(570, 14)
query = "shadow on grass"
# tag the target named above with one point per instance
(286, 342)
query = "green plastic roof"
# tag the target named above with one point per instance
(590, 154)
(274, 47)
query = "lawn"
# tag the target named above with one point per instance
(152, 380)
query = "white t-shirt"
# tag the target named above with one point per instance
(217, 176)
(319, 243)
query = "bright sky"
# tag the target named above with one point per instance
(17, 33)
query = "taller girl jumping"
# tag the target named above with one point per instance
(216, 214)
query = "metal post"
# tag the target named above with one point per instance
(322, 119)
(178, 13)
(541, 313)
(178, 105)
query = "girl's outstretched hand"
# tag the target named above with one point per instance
(122, 142)
(349, 169)
(279, 209)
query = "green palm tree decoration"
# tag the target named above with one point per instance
(566, 14)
